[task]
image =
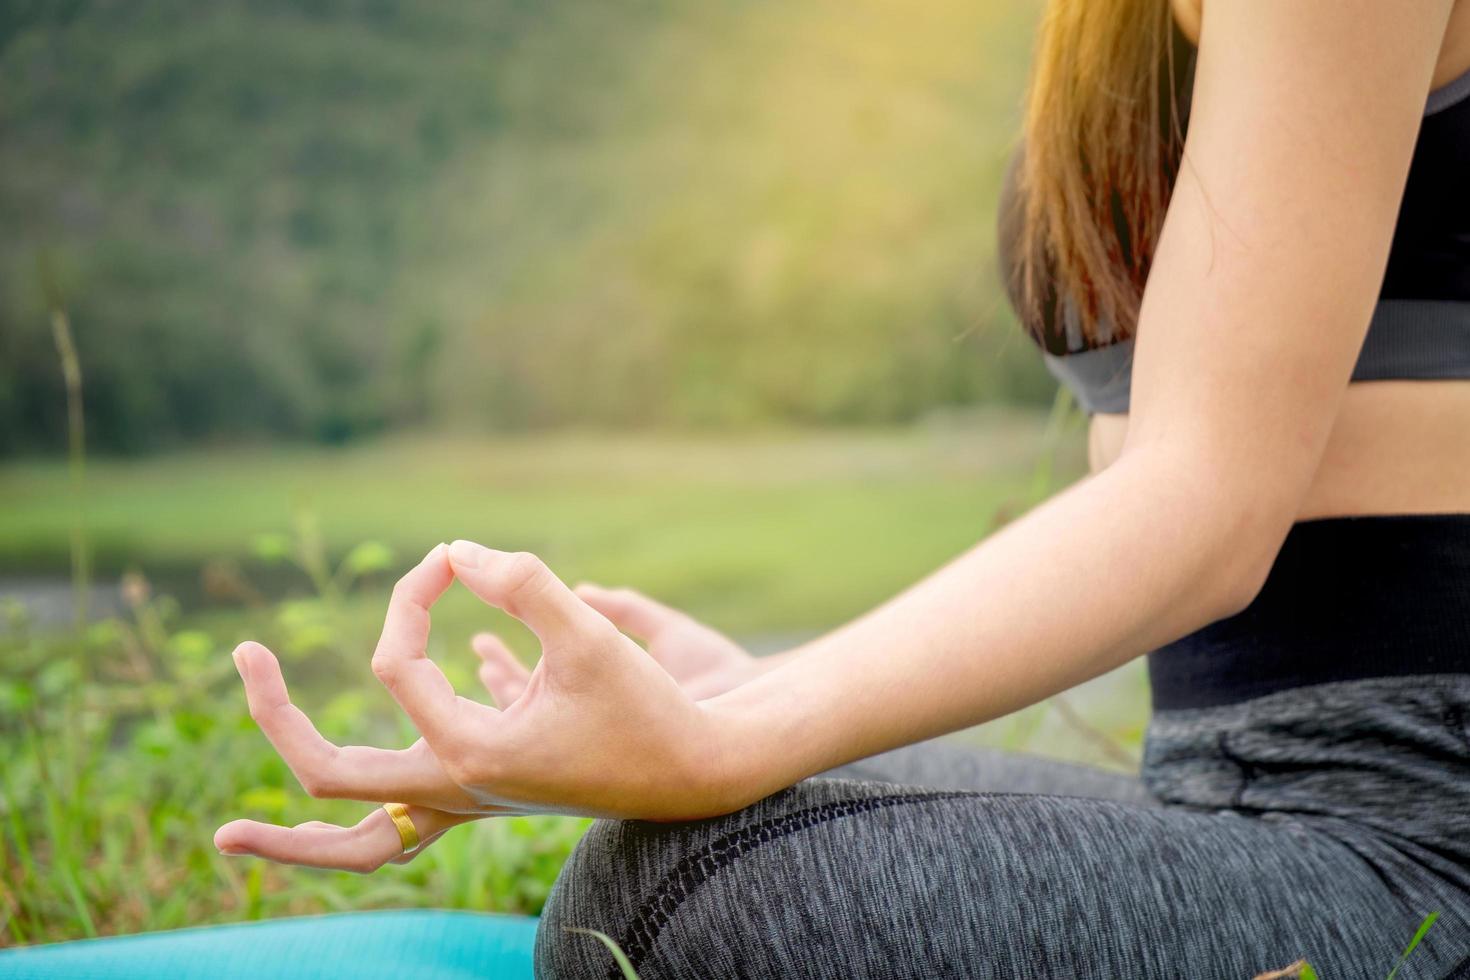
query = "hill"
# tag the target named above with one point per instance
(324, 218)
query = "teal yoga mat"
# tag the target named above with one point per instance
(403, 945)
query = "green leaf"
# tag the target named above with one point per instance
(619, 956)
(344, 712)
(367, 558)
(156, 739)
(307, 625)
(271, 799)
(105, 633)
(195, 646)
(193, 726)
(58, 677)
(271, 547)
(1424, 927)
(295, 613)
(1308, 973)
(16, 696)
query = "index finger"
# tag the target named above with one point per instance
(401, 660)
(326, 769)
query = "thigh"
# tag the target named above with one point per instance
(843, 879)
(945, 764)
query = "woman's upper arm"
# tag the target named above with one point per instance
(1302, 126)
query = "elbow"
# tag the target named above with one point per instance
(1228, 521)
(1250, 543)
(1230, 530)
(1239, 591)
(1237, 503)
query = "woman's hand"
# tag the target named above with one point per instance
(600, 728)
(704, 661)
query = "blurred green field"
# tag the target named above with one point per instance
(126, 746)
(759, 533)
(344, 224)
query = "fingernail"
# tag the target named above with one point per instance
(232, 851)
(239, 662)
(465, 553)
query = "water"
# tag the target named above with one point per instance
(49, 602)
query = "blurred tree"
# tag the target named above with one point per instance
(317, 219)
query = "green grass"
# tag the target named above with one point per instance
(126, 747)
(762, 533)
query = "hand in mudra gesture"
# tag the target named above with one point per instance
(704, 661)
(599, 727)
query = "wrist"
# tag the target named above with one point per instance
(751, 752)
(771, 661)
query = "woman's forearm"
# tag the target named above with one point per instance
(1145, 552)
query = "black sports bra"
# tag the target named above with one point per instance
(1421, 325)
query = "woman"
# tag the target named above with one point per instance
(1269, 322)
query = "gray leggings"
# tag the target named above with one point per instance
(1322, 822)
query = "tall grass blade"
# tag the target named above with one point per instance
(1059, 423)
(1424, 928)
(619, 956)
(76, 436)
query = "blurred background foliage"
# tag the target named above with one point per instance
(323, 219)
(695, 296)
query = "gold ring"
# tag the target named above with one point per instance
(407, 832)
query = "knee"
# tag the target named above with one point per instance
(628, 880)
(597, 889)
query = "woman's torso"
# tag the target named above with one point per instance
(1397, 447)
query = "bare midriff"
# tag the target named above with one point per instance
(1397, 447)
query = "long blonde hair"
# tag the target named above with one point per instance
(1103, 142)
